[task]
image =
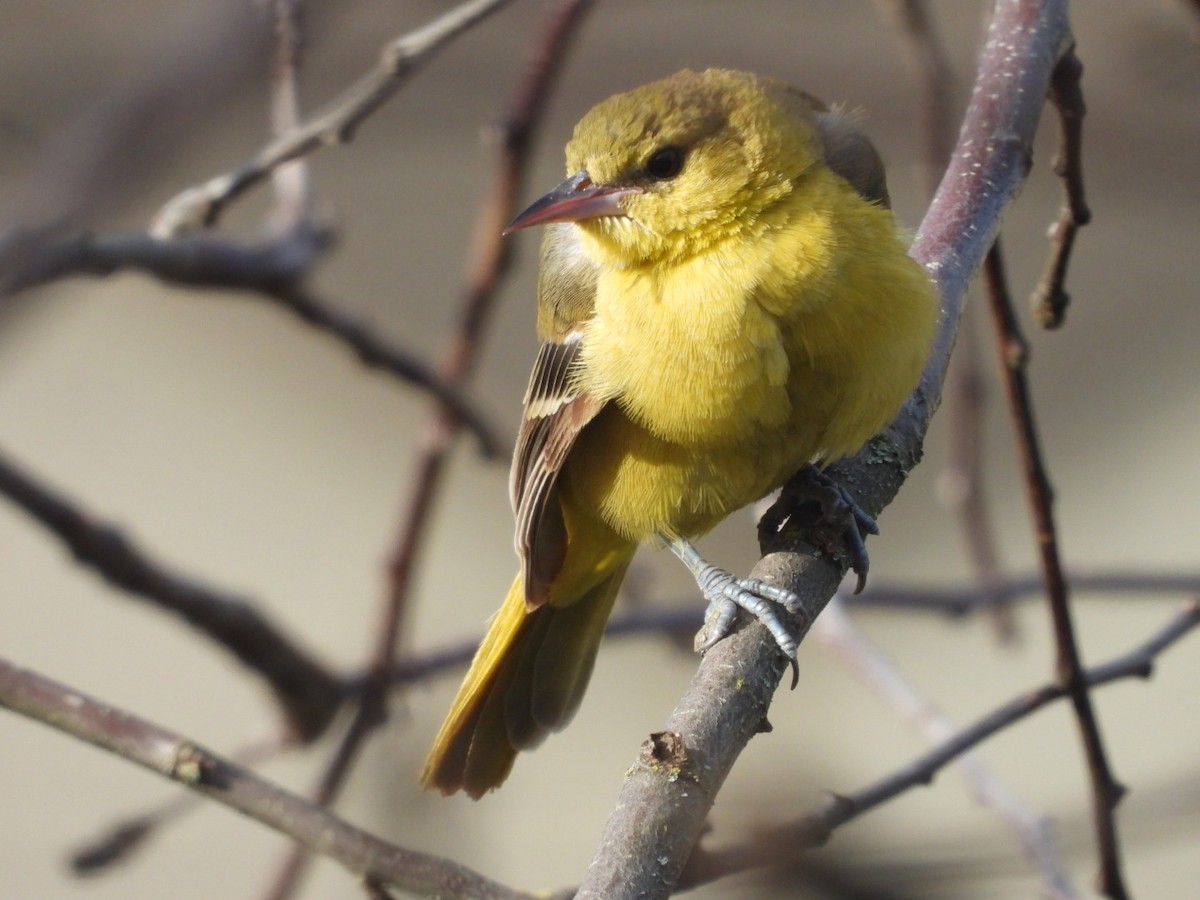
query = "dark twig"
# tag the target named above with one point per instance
(1013, 357)
(308, 693)
(174, 757)
(779, 844)
(965, 601)
(274, 270)
(199, 207)
(1050, 298)
(667, 795)
(490, 259)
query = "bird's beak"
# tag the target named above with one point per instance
(576, 198)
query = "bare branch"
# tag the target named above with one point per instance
(181, 760)
(667, 795)
(1013, 356)
(273, 270)
(309, 694)
(963, 601)
(1050, 299)
(815, 828)
(199, 207)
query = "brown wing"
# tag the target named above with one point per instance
(555, 411)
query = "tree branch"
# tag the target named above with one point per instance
(181, 760)
(274, 270)
(199, 207)
(1050, 299)
(308, 693)
(1013, 357)
(668, 793)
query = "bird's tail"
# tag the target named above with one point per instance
(527, 680)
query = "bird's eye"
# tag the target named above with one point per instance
(665, 164)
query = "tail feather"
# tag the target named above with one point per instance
(527, 680)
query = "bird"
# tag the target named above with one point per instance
(724, 298)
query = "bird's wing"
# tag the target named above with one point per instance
(850, 153)
(555, 410)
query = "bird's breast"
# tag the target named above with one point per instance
(687, 351)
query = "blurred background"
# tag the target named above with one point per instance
(244, 449)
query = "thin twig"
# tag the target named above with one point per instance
(308, 693)
(815, 828)
(1050, 298)
(273, 270)
(199, 769)
(667, 795)
(199, 207)
(490, 259)
(1013, 357)
(956, 602)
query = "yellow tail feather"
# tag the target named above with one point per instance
(526, 680)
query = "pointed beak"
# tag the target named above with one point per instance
(576, 198)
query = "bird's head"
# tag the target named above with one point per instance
(668, 169)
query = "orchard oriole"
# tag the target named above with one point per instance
(724, 297)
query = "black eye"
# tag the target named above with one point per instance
(665, 164)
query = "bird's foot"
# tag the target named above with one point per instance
(726, 594)
(840, 526)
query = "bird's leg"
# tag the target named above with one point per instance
(840, 518)
(725, 594)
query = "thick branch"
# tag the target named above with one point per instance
(668, 793)
(201, 770)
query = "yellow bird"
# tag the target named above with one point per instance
(724, 298)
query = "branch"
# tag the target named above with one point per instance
(1050, 299)
(181, 760)
(274, 270)
(815, 828)
(956, 602)
(1106, 792)
(309, 694)
(668, 793)
(199, 207)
